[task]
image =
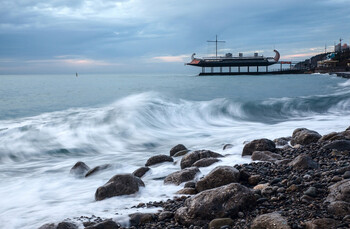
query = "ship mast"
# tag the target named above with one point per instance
(216, 45)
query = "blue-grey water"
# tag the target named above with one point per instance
(49, 122)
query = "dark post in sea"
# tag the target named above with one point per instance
(229, 61)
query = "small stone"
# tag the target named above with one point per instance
(336, 179)
(292, 188)
(220, 222)
(346, 175)
(311, 192)
(240, 214)
(227, 146)
(177, 149)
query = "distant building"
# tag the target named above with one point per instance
(327, 63)
(339, 47)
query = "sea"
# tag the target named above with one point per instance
(50, 122)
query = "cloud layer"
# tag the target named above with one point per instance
(138, 35)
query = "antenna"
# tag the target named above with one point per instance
(216, 45)
(325, 48)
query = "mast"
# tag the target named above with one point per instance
(216, 45)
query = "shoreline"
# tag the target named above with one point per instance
(294, 185)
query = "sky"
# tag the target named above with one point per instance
(150, 36)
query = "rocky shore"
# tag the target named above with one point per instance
(302, 181)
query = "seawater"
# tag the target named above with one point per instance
(49, 122)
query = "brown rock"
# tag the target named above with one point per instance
(259, 145)
(140, 171)
(121, 184)
(339, 208)
(304, 136)
(221, 202)
(97, 169)
(189, 159)
(219, 176)
(339, 191)
(270, 221)
(265, 156)
(107, 224)
(303, 162)
(187, 191)
(79, 169)
(323, 223)
(205, 162)
(177, 149)
(138, 219)
(220, 222)
(158, 159)
(181, 176)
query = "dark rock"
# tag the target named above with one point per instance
(283, 161)
(181, 176)
(107, 224)
(189, 159)
(312, 191)
(244, 175)
(66, 225)
(259, 145)
(48, 226)
(79, 169)
(120, 184)
(219, 176)
(190, 184)
(265, 156)
(165, 215)
(282, 141)
(177, 149)
(97, 169)
(221, 202)
(220, 222)
(339, 191)
(138, 219)
(187, 191)
(140, 171)
(339, 145)
(321, 224)
(254, 179)
(205, 162)
(270, 221)
(227, 146)
(158, 159)
(181, 153)
(346, 175)
(304, 136)
(303, 162)
(339, 208)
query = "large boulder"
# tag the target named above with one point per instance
(303, 162)
(282, 141)
(158, 159)
(66, 225)
(339, 191)
(219, 176)
(190, 158)
(97, 169)
(181, 176)
(304, 136)
(220, 223)
(339, 145)
(138, 219)
(205, 162)
(324, 223)
(222, 202)
(345, 135)
(48, 226)
(120, 184)
(107, 224)
(79, 169)
(339, 208)
(259, 145)
(270, 221)
(140, 171)
(177, 149)
(265, 156)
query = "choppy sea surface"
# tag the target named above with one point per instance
(49, 122)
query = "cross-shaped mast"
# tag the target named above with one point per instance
(216, 45)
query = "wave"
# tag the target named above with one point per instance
(146, 121)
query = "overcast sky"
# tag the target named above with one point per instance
(112, 36)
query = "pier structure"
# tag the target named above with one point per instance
(246, 69)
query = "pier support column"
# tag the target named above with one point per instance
(248, 68)
(229, 69)
(212, 69)
(220, 69)
(257, 68)
(267, 68)
(281, 67)
(203, 69)
(239, 69)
